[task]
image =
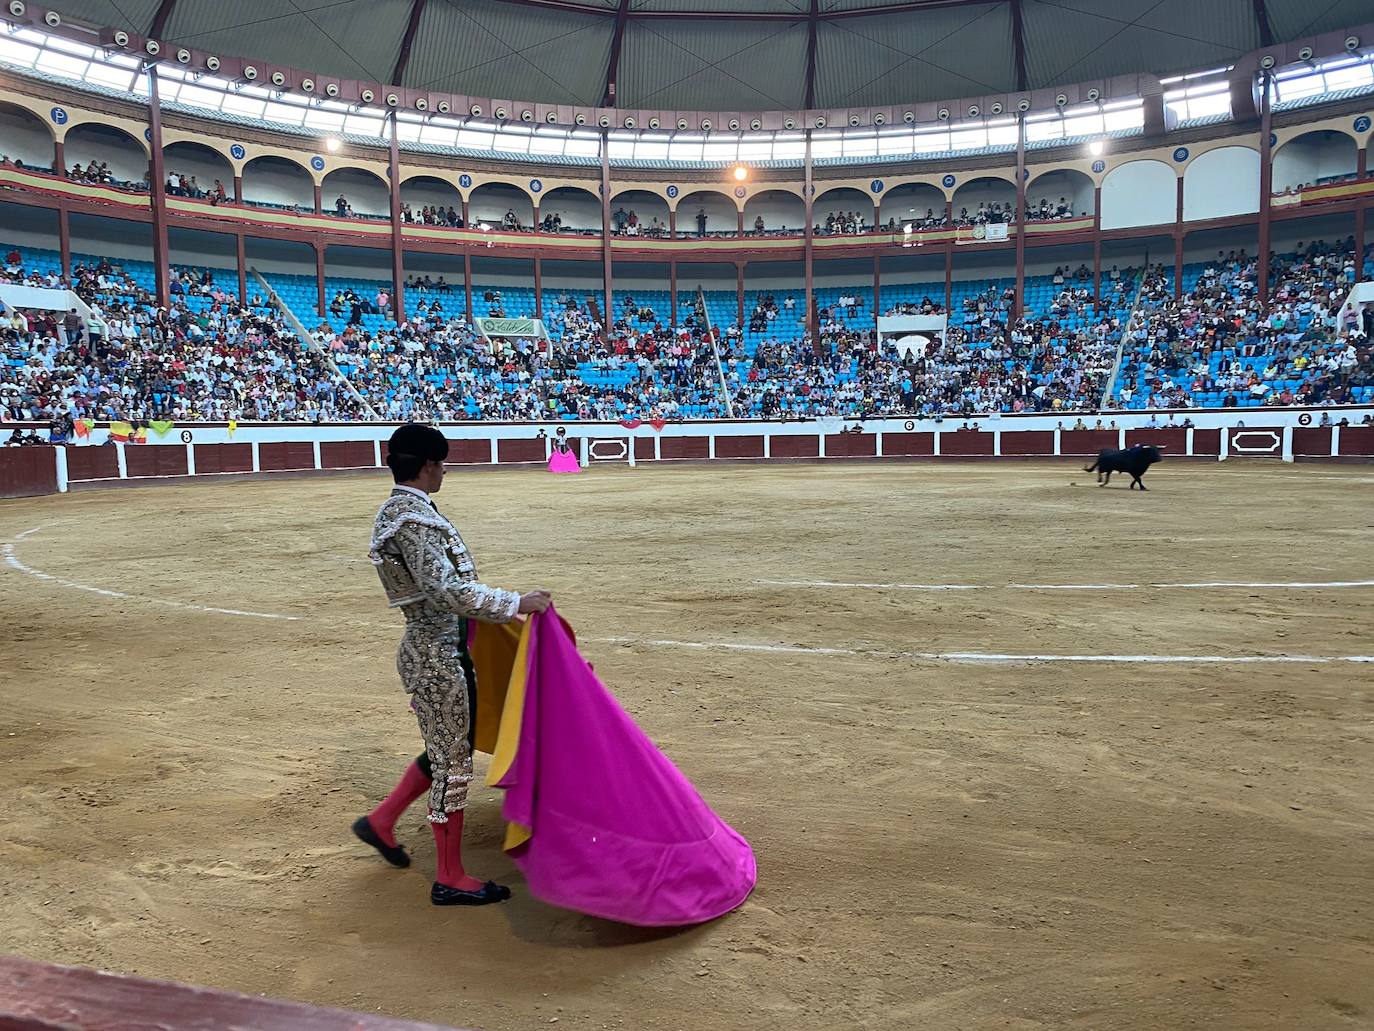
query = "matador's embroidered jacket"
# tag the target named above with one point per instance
(428, 574)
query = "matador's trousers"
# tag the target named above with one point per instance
(437, 671)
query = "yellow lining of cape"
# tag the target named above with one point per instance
(508, 736)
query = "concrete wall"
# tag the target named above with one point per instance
(1139, 193)
(367, 194)
(426, 192)
(1312, 157)
(187, 159)
(1074, 187)
(85, 143)
(23, 138)
(778, 208)
(578, 208)
(984, 191)
(277, 181)
(1221, 182)
(720, 212)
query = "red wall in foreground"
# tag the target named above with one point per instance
(909, 444)
(289, 455)
(160, 460)
(846, 445)
(966, 442)
(726, 447)
(94, 463)
(220, 458)
(1357, 440)
(1086, 442)
(347, 454)
(41, 997)
(28, 472)
(683, 447)
(805, 446)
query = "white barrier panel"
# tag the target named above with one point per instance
(608, 449)
(48, 300)
(1117, 422)
(911, 324)
(911, 332)
(1256, 442)
(1360, 296)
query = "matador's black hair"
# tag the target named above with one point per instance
(410, 447)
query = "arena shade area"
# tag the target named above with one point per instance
(1013, 751)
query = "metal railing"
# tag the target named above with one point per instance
(311, 344)
(715, 352)
(1127, 337)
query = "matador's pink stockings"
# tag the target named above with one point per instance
(383, 819)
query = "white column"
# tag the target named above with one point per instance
(1057, 431)
(1335, 441)
(658, 451)
(1121, 439)
(1225, 449)
(315, 447)
(119, 460)
(190, 460)
(586, 451)
(820, 442)
(630, 449)
(495, 458)
(767, 444)
(936, 449)
(997, 443)
(60, 457)
(710, 445)
(257, 465)
(878, 444)
(1188, 441)
(1287, 437)
(377, 453)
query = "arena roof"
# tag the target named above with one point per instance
(728, 54)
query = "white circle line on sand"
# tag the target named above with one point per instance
(1294, 585)
(12, 560)
(984, 657)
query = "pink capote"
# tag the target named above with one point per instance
(616, 830)
(564, 462)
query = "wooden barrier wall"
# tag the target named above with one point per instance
(42, 997)
(26, 472)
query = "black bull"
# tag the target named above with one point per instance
(1134, 460)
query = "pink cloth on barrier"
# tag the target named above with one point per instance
(616, 830)
(563, 462)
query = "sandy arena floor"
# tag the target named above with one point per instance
(943, 844)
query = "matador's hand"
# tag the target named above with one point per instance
(535, 601)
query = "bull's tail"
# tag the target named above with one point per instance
(1091, 468)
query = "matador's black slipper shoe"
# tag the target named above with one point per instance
(393, 854)
(443, 895)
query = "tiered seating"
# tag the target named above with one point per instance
(1055, 358)
(1214, 348)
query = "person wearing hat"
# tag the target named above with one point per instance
(427, 573)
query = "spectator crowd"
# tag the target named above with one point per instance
(209, 355)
